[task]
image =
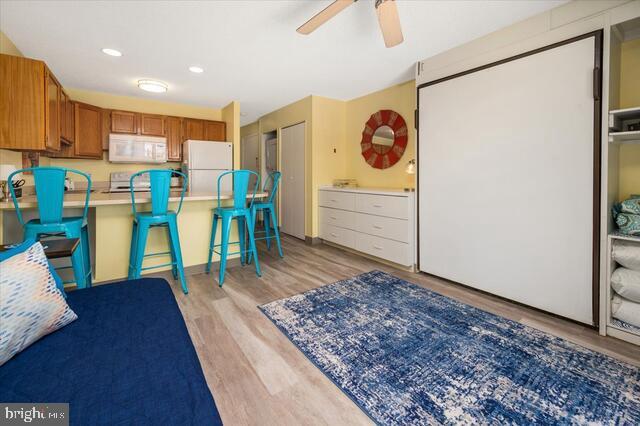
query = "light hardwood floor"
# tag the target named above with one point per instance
(258, 377)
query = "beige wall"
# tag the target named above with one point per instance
(7, 47)
(629, 166)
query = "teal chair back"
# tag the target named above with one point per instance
(160, 181)
(273, 179)
(241, 180)
(49, 184)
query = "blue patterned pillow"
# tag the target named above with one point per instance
(19, 248)
(30, 304)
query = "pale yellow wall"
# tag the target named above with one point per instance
(7, 47)
(629, 166)
(400, 98)
(231, 116)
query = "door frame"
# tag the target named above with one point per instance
(597, 147)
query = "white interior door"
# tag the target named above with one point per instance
(506, 179)
(250, 158)
(292, 181)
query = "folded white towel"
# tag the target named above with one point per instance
(626, 283)
(626, 310)
(627, 254)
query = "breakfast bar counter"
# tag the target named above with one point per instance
(105, 198)
(110, 226)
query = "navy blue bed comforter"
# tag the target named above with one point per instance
(127, 359)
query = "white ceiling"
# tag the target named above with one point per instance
(249, 49)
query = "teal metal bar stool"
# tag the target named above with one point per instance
(268, 213)
(159, 217)
(49, 184)
(242, 213)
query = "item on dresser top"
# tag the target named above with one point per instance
(627, 254)
(626, 283)
(345, 183)
(625, 310)
(627, 216)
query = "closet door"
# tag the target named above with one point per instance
(292, 181)
(508, 178)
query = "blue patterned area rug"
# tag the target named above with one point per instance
(407, 355)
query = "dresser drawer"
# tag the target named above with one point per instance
(385, 227)
(393, 251)
(337, 200)
(382, 205)
(339, 218)
(334, 234)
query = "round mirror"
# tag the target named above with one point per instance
(383, 139)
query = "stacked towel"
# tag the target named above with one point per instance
(627, 216)
(625, 281)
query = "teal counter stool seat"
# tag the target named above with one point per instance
(159, 217)
(49, 185)
(242, 214)
(268, 213)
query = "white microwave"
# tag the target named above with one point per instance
(137, 149)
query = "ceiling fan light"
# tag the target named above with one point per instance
(389, 21)
(153, 86)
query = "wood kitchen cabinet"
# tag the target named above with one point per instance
(53, 93)
(193, 129)
(67, 119)
(88, 134)
(174, 138)
(124, 122)
(152, 125)
(215, 130)
(24, 98)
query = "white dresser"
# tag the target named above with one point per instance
(376, 222)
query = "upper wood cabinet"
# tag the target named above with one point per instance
(23, 104)
(215, 131)
(152, 125)
(174, 138)
(88, 121)
(67, 119)
(53, 93)
(124, 122)
(193, 129)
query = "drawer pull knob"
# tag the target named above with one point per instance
(334, 235)
(377, 205)
(377, 227)
(334, 201)
(377, 247)
(334, 218)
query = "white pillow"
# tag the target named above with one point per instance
(626, 310)
(627, 254)
(626, 283)
(31, 306)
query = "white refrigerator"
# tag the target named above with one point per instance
(203, 162)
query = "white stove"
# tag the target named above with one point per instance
(121, 182)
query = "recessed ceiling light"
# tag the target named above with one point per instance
(153, 86)
(195, 69)
(111, 52)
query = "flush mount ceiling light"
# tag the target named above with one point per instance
(153, 86)
(111, 52)
(196, 69)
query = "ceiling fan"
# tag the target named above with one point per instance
(387, 18)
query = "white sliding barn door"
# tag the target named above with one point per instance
(506, 179)
(292, 180)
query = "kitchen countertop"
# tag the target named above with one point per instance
(110, 199)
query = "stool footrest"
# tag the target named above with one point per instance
(164, 253)
(158, 266)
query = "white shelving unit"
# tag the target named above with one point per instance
(614, 327)
(618, 125)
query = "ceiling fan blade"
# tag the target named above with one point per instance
(389, 21)
(324, 15)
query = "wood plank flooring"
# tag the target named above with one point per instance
(258, 377)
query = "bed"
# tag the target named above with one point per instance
(127, 359)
